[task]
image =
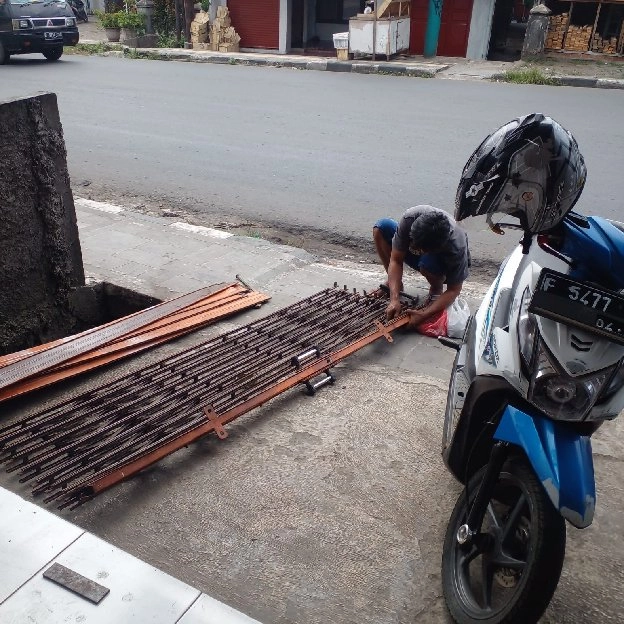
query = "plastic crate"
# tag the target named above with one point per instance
(341, 41)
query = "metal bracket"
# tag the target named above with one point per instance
(214, 419)
(384, 330)
(313, 387)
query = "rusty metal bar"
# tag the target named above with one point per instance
(223, 302)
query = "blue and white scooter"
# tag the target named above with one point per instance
(540, 368)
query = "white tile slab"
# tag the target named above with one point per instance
(30, 537)
(207, 610)
(139, 593)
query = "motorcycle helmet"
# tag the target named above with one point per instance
(531, 169)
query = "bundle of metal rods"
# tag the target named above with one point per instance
(68, 448)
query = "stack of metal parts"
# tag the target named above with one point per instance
(54, 361)
(85, 445)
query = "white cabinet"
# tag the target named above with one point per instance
(392, 35)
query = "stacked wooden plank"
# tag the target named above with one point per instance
(606, 46)
(199, 31)
(557, 27)
(55, 361)
(577, 38)
(223, 36)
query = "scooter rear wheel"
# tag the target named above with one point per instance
(509, 572)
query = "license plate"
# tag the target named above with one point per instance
(593, 309)
(53, 35)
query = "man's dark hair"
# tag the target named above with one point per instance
(430, 231)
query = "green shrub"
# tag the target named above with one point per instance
(133, 21)
(108, 20)
(530, 75)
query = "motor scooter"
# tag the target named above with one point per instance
(79, 9)
(540, 368)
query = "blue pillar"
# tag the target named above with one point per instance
(432, 33)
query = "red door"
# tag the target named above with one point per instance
(419, 10)
(454, 29)
(257, 23)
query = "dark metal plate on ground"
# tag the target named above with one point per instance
(81, 585)
(586, 306)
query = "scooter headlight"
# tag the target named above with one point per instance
(527, 329)
(558, 394)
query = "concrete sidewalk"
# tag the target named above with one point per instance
(318, 509)
(451, 68)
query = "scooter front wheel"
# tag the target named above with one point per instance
(508, 572)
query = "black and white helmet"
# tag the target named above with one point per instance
(530, 168)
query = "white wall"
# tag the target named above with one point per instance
(284, 26)
(480, 29)
(96, 5)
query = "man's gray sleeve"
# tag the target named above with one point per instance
(401, 238)
(458, 262)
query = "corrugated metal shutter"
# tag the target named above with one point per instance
(256, 22)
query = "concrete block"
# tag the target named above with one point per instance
(39, 246)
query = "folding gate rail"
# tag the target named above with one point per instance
(77, 449)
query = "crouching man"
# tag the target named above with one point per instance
(428, 240)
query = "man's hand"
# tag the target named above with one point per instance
(393, 309)
(416, 317)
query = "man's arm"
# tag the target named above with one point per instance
(437, 305)
(395, 277)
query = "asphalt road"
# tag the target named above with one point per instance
(323, 152)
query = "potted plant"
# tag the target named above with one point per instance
(110, 23)
(132, 25)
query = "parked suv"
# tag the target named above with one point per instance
(29, 26)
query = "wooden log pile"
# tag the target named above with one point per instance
(577, 38)
(223, 36)
(199, 31)
(558, 24)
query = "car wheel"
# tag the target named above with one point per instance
(4, 55)
(54, 54)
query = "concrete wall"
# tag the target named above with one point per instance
(40, 256)
(480, 29)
